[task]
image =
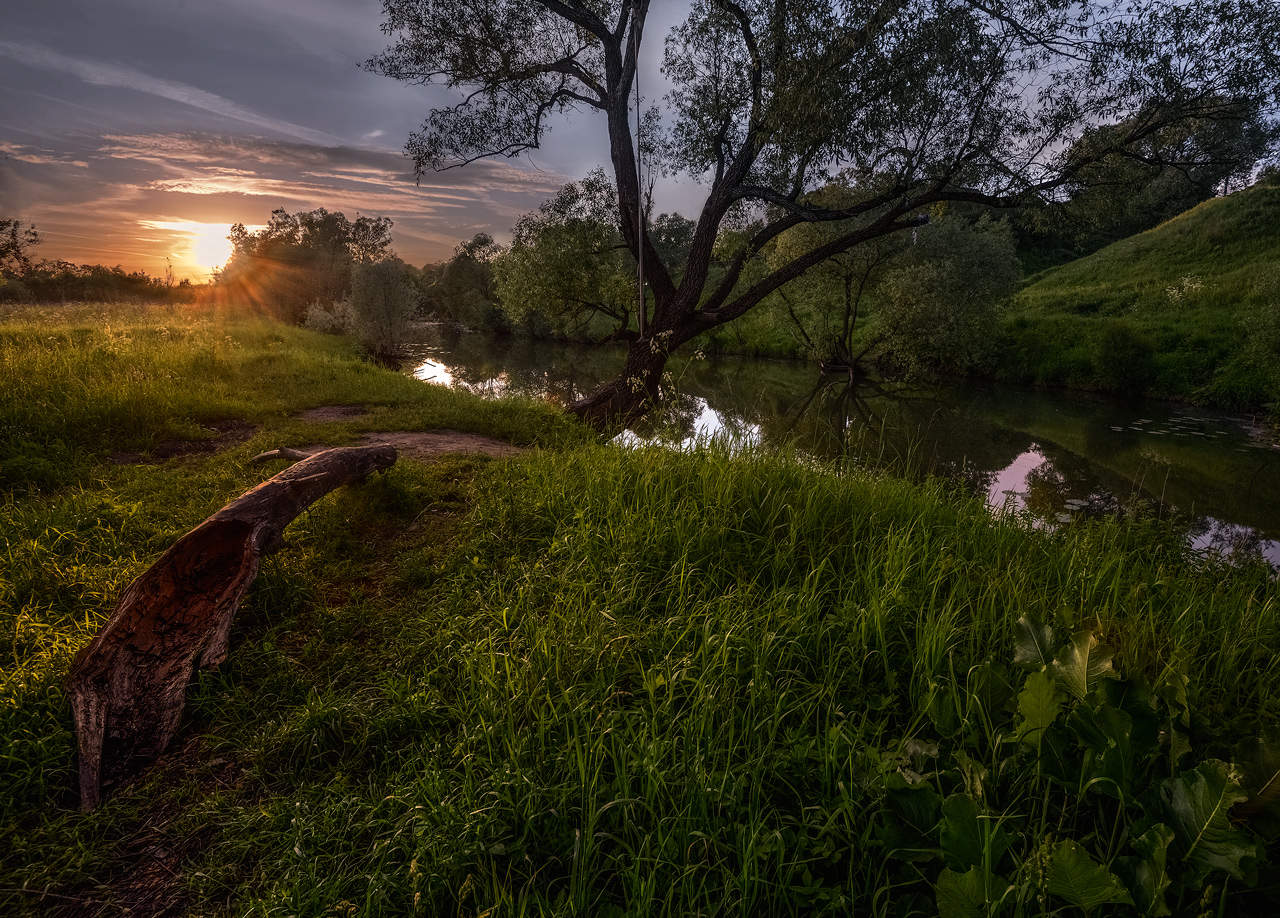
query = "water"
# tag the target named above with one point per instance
(1053, 456)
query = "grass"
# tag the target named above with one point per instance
(1186, 310)
(86, 381)
(601, 681)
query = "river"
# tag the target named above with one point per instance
(1052, 456)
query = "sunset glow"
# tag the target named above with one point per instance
(203, 246)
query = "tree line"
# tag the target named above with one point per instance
(25, 280)
(912, 103)
(914, 303)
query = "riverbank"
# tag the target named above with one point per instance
(1188, 311)
(589, 679)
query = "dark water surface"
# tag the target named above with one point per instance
(1054, 456)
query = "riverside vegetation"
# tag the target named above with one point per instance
(601, 680)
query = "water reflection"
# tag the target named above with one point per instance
(1051, 457)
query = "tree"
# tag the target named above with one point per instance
(462, 290)
(568, 262)
(569, 267)
(301, 258)
(16, 242)
(941, 100)
(382, 303)
(1167, 173)
(941, 295)
(832, 292)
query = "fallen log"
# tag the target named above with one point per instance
(128, 687)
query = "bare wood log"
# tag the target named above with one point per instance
(282, 452)
(128, 687)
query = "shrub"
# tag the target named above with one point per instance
(335, 318)
(382, 302)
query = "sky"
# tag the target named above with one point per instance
(133, 132)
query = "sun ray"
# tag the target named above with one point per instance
(202, 246)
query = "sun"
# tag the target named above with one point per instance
(202, 246)
(210, 247)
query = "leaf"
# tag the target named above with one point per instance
(1107, 731)
(1039, 704)
(1082, 881)
(1032, 644)
(960, 834)
(968, 840)
(910, 818)
(1081, 663)
(968, 895)
(1197, 804)
(1259, 761)
(1147, 873)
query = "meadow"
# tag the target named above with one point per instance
(1187, 310)
(595, 680)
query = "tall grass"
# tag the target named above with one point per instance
(604, 681)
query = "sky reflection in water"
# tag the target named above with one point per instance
(1051, 457)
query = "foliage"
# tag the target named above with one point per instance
(64, 282)
(331, 318)
(568, 271)
(941, 296)
(461, 290)
(1104, 759)
(1167, 173)
(1124, 361)
(824, 304)
(16, 242)
(25, 281)
(382, 303)
(301, 258)
(929, 102)
(1211, 346)
(602, 680)
(567, 262)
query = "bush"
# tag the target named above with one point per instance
(382, 302)
(1123, 360)
(940, 310)
(335, 318)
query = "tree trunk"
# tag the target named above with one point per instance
(128, 687)
(632, 393)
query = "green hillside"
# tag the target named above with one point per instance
(1190, 309)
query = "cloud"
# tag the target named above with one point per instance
(40, 156)
(103, 73)
(139, 189)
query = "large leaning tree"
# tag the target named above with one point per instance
(978, 101)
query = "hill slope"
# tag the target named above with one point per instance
(1189, 310)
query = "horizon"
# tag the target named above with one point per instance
(140, 147)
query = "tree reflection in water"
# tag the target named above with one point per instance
(1052, 457)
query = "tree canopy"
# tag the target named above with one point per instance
(301, 258)
(927, 100)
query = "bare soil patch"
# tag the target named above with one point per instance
(225, 433)
(326, 413)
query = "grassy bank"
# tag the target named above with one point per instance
(591, 680)
(1188, 310)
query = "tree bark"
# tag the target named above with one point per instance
(632, 393)
(128, 687)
